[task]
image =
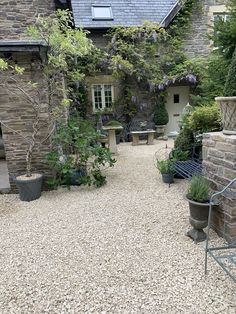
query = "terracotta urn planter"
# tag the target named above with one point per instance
(228, 110)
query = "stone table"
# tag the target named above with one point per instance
(112, 137)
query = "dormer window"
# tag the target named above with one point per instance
(102, 12)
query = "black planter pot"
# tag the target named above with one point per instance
(29, 187)
(77, 175)
(117, 139)
(168, 177)
(198, 219)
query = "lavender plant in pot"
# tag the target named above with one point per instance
(166, 169)
(198, 199)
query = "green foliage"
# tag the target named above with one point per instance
(199, 189)
(161, 116)
(124, 106)
(184, 139)
(211, 79)
(179, 155)
(230, 84)
(165, 166)
(75, 148)
(205, 119)
(224, 35)
(114, 123)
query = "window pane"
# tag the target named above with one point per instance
(108, 95)
(97, 93)
(102, 12)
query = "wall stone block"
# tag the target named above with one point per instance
(220, 168)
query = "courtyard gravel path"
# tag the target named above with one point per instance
(118, 249)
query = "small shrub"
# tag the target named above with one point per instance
(161, 116)
(205, 119)
(114, 123)
(184, 140)
(165, 166)
(198, 190)
(179, 155)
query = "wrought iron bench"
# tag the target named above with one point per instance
(190, 167)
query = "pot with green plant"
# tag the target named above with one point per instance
(198, 198)
(116, 124)
(166, 169)
(161, 117)
(228, 102)
(76, 156)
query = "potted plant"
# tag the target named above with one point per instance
(47, 97)
(161, 117)
(115, 123)
(198, 199)
(228, 102)
(167, 170)
(29, 184)
(76, 157)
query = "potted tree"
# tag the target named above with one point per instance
(166, 169)
(228, 102)
(48, 96)
(161, 117)
(198, 199)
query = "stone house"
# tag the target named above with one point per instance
(99, 16)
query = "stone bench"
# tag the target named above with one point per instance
(136, 134)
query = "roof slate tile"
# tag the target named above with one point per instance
(125, 12)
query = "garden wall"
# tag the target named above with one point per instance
(219, 160)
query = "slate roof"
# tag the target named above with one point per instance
(125, 12)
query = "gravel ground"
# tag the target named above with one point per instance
(118, 249)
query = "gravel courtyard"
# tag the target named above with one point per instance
(118, 249)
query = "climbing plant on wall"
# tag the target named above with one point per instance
(150, 54)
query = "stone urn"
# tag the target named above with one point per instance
(198, 220)
(228, 110)
(160, 130)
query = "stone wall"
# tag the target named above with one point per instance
(18, 115)
(219, 160)
(197, 43)
(17, 15)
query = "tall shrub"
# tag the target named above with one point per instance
(161, 116)
(230, 84)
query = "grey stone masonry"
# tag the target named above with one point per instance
(197, 42)
(219, 160)
(17, 115)
(17, 15)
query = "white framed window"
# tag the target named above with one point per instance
(220, 16)
(102, 96)
(102, 12)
